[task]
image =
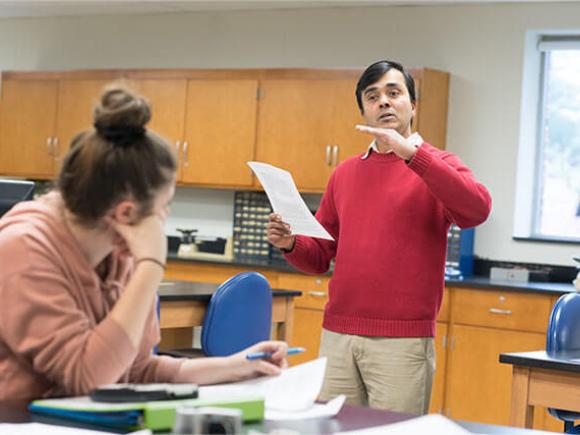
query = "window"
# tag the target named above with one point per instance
(548, 191)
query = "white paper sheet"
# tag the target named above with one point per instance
(49, 429)
(286, 201)
(432, 424)
(294, 391)
(317, 410)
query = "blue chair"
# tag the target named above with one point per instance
(239, 314)
(564, 335)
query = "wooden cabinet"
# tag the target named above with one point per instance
(478, 386)
(27, 125)
(301, 120)
(438, 390)
(484, 324)
(76, 102)
(167, 98)
(216, 274)
(220, 132)
(308, 312)
(307, 126)
(39, 120)
(441, 332)
(473, 327)
(432, 93)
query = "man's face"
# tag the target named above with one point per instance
(387, 104)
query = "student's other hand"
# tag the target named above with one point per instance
(145, 239)
(246, 369)
(389, 139)
(279, 233)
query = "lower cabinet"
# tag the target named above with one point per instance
(307, 329)
(478, 386)
(437, 393)
(308, 312)
(473, 327)
(177, 270)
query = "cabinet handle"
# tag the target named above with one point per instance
(50, 147)
(500, 311)
(328, 155)
(334, 155)
(185, 158)
(55, 147)
(317, 294)
(177, 149)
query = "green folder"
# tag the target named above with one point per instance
(132, 416)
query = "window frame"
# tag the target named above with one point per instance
(529, 177)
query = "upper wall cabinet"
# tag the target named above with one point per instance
(432, 92)
(167, 99)
(39, 120)
(220, 132)
(307, 125)
(211, 124)
(216, 120)
(27, 125)
(304, 123)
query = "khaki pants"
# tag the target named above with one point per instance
(386, 373)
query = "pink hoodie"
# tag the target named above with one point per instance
(56, 338)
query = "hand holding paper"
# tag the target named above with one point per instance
(286, 201)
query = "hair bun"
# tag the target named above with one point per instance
(121, 116)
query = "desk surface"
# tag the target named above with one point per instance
(201, 291)
(349, 418)
(564, 361)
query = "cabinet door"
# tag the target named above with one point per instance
(199, 272)
(295, 129)
(478, 386)
(306, 334)
(220, 132)
(167, 99)
(27, 127)
(76, 102)
(432, 102)
(346, 140)
(308, 312)
(440, 359)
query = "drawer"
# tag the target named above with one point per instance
(214, 273)
(501, 309)
(314, 289)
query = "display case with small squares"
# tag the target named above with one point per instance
(251, 211)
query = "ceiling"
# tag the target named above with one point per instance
(50, 8)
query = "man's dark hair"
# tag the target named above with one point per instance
(375, 71)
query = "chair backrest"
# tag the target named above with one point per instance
(564, 325)
(239, 315)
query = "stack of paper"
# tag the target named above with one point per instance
(289, 396)
(432, 424)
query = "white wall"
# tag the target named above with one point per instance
(481, 45)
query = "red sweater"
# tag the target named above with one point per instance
(390, 220)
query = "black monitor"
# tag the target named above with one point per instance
(14, 191)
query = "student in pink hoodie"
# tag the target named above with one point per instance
(82, 264)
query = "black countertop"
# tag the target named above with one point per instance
(555, 288)
(566, 361)
(479, 282)
(201, 291)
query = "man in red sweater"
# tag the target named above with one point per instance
(389, 211)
